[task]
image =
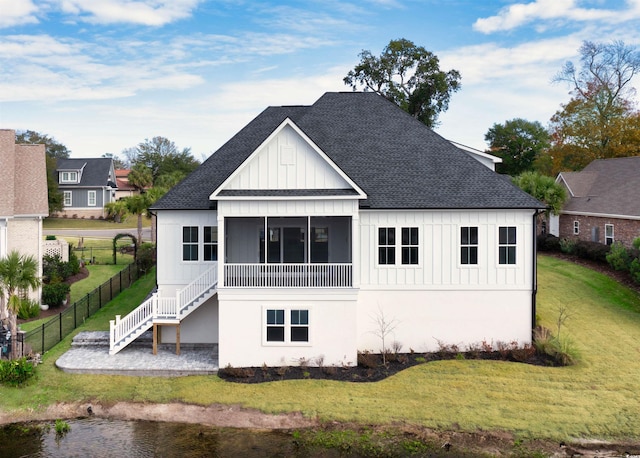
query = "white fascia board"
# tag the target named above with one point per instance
(226, 198)
(561, 178)
(601, 215)
(290, 123)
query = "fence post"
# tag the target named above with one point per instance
(111, 288)
(100, 296)
(120, 289)
(43, 350)
(60, 325)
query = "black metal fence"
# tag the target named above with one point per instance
(44, 337)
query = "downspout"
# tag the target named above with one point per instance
(534, 279)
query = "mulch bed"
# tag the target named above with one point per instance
(371, 368)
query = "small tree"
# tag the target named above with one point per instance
(18, 274)
(384, 327)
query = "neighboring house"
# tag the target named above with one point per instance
(24, 198)
(316, 229)
(87, 185)
(604, 202)
(125, 189)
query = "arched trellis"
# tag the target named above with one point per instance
(115, 241)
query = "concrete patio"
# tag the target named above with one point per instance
(89, 354)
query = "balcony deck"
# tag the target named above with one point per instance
(260, 275)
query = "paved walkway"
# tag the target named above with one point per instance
(89, 354)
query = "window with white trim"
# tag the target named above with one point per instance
(386, 245)
(410, 244)
(608, 234)
(275, 325)
(210, 243)
(507, 245)
(469, 245)
(190, 243)
(68, 177)
(576, 227)
(66, 198)
(91, 198)
(287, 325)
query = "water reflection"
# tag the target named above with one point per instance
(95, 437)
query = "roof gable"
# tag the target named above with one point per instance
(93, 172)
(396, 161)
(287, 160)
(605, 186)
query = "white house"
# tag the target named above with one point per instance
(313, 223)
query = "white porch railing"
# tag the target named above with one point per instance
(156, 308)
(288, 275)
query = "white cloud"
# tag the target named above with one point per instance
(17, 12)
(519, 14)
(143, 12)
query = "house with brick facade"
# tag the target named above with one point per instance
(87, 185)
(317, 228)
(604, 202)
(23, 199)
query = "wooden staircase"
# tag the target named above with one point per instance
(165, 310)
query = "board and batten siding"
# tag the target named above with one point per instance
(172, 272)
(287, 161)
(439, 264)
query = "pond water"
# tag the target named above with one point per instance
(96, 437)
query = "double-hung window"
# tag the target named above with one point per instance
(608, 234)
(386, 245)
(91, 198)
(210, 243)
(576, 227)
(69, 177)
(469, 245)
(409, 245)
(507, 245)
(287, 325)
(190, 243)
(66, 200)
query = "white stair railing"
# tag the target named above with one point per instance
(187, 295)
(122, 331)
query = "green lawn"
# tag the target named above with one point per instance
(87, 223)
(598, 398)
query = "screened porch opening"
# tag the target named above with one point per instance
(306, 251)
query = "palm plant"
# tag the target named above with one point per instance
(18, 273)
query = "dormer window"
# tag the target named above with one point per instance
(68, 177)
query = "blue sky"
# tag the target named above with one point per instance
(103, 75)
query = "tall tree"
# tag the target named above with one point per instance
(519, 143)
(593, 124)
(140, 177)
(162, 156)
(54, 151)
(18, 274)
(118, 163)
(409, 76)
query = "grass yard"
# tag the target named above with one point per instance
(87, 223)
(598, 398)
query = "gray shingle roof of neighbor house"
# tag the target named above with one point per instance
(95, 171)
(395, 159)
(605, 186)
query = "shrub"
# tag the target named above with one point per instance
(634, 270)
(567, 245)
(618, 257)
(367, 359)
(55, 270)
(55, 293)
(591, 250)
(548, 242)
(50, 237)
(636, 243)
(563, 351)
(28, 309)
(146, 256)
(15, 372)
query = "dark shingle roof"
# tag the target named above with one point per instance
(605, 186)
(395, 159)
(95, 172)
